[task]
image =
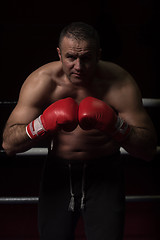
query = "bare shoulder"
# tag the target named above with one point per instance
(124, 95)
(113, 72)
(41, 83)
(122, 89)
(36, 94)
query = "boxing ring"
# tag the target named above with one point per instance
(42, 152)
(147, 103)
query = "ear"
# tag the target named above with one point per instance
(59, 53)
(99, 54)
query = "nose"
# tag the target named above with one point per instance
(78, 64)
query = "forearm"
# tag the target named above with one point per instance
(16, 140)
(141, 143)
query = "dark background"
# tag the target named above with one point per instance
(129, 32)
(30, 30)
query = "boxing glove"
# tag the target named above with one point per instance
(62, 114)
(95, 114)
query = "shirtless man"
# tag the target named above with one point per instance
(86, 109)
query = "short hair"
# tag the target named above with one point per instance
(80, 31)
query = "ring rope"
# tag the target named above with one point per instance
(147, 102)
(44, 151)
(34, 200)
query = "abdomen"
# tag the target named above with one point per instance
(84, 145)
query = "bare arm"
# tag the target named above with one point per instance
(142, 140)
(31, 103)
(15, 139)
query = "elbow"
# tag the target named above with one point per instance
(10, 151)
(148, 158)
(152, 150)
(150, 155)
(144, 154)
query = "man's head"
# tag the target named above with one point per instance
(79, 51)
(82, 32)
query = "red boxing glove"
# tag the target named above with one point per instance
(95, 114)
(62, 114)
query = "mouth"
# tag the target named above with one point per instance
(77, 78)
(78, 75)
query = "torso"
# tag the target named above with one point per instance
(80, 144)
(83, 145)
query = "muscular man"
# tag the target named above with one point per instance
(86, 109)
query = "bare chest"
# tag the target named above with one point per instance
(78, 93)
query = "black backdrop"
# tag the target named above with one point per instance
(30, 31)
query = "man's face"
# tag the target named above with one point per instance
(79, 60)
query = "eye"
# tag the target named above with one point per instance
(86, 58)
(71, 57)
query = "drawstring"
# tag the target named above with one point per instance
(83, 187)
(72, 201)
(71, 204)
